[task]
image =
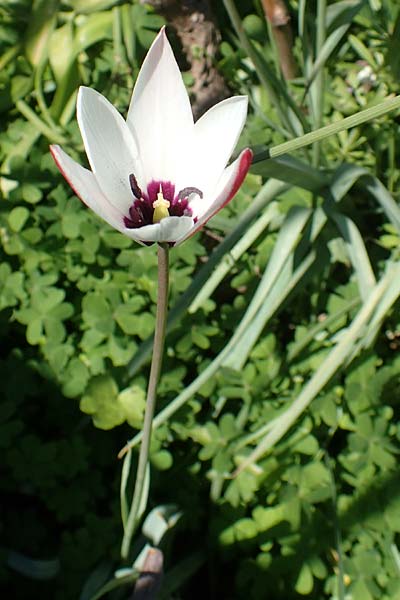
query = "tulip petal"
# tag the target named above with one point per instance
(110, 147)
(86, 187)
(160, 116)
(167, 230)
(229, 184)
(216, 134)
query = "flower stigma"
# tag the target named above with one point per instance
(161, 206)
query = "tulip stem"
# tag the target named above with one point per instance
(155, 370)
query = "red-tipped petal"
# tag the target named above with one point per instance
(85, 186)
(232, 179)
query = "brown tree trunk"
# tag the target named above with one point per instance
(194, 25)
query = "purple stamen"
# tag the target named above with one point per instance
(187, 191)
(136, 191)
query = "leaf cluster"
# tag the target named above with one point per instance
(277, 433)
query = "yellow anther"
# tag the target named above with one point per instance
(161, 206)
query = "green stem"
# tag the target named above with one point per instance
(319, 81)
(155, 370)
(40, 125)
(338, 535)
(9, 55)
(38, 81)
(315, 136)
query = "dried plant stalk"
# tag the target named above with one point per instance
(277, 14)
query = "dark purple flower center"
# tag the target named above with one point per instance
(142, 210)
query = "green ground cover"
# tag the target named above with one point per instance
(282, 365)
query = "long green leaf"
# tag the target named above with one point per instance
(32, 567)
(381, 194)
(264, 72)
(335, 360)
(343, 180)
(270, 214)
(286, 242)
(289, 278)
(278, 290)
(311, 334)
(126, 469)
(357, 253)
(329, 46)
(388, 299)
(292, 171)
(41, 24)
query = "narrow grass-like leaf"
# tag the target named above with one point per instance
(328, 47)
(334, 361)
(363, 52)
(388, 299)
(340, 20)
(388, 204)
(40, 125)
(115, 583)
(309, 337)
(97, 578)
(393, 49)
(9, 55)
(175, 577)
(290, 275)
(347, 175)
(343, 12)
(271, 213)
(357, 253)
(396, 557)
(142, 504)
(317, 95)
(287, 281)
(126, 469)
(128, 34)
(40, 25)
(32, 567)
(302, 18)
(287, 240)
(343, 180)
(264, 72)
(61, 55)
(293, 171)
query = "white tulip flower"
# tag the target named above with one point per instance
(158, 176)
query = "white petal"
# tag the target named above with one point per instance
(85, 185)
(159, 115)
(167, 230)
(228, 185)
(215, 136)
(109, 146)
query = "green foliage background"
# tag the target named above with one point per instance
(318, 516)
